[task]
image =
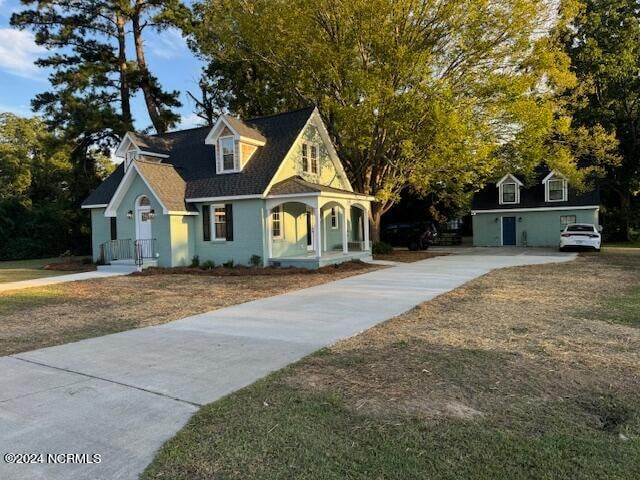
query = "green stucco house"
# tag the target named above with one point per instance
(510, 213)
(268, 191)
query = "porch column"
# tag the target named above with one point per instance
(366, 229)
(318, 228)
(345, 239)
(269, 235)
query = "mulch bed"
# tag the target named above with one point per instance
(241, 270)
(70, 267)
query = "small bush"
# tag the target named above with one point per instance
(382, 248)
(208, 265)
(195, 261)
(255, 260)
(228, 264)
(86, 260)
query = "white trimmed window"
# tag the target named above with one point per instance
(276, 222)
(334, 218)
(309, 156)
(227, 149)
(219, 221)
(556, 189)
(567, 219)
(509, 193)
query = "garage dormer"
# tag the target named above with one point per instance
(556, 188)
(509, 190)
(235, 142)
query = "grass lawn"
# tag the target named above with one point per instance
(408, 256)
(43, 316)
(526, 373)
(622, 245)
(18, 270)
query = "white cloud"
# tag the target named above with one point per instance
(19, 110)
(18, 51)
(167, 44)
(190, 121)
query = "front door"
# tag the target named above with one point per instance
(143, 222)
(310, 230)
(509, 231)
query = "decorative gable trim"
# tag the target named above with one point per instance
(316, 120)
(128, 141)
(511, 177)
(217, 129)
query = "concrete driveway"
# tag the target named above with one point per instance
(121, 396)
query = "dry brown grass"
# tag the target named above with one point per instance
(39, 317)
(408, 256)
(506, 347)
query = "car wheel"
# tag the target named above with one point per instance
(562, 249)
(597, 249)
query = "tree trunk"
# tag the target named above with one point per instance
(375, 219)
(146, 83)
(125, 94)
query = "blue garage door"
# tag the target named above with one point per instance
(508, 230)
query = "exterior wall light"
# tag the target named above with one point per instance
(519, 219)
(496, 220)
(130, 214)
(152, 214)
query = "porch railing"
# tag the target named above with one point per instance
(144, 249)
(124, 249)
(116, 250)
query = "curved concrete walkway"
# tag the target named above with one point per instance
(42, 282)
(121, 396)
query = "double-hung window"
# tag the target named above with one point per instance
(556, 189)
(310, 158)
(276, 222)
(334, 218)
(567, 219)
(227, 151)
(219, 219)
(509, 192)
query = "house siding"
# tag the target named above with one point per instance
(100, 231)
(542, 227)
(159, 225)
(292, 164)
(247, 235)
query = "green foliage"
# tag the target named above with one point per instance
(208, 265)
(228, 264)
(195, 261)
(37, 217)
(604, 46)
(440, 96)
(255, 261)
(382, 248)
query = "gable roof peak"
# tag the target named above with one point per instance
(509, 176)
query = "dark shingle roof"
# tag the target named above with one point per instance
(533, 196)
(297, 184)
(243, 129)
(165, 181)
(195, 161)
(153, 143)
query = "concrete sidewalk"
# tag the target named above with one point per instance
(123, 395)
(41, 282)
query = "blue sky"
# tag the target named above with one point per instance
(167, 54)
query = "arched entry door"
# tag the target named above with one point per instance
(143, 219)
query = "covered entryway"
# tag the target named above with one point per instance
(316, 230)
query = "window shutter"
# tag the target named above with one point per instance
(228, 208)
(114, 228)
(206, 223)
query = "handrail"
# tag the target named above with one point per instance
(116, 250)
(144, 249)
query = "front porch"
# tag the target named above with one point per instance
(316, 229)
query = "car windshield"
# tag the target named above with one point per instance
(580, 228)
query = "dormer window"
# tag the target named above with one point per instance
(310, 158)
(509, 190)
(555, 188)
(227, 149)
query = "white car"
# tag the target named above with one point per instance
(580, 235)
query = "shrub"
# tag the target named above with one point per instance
(228, 264)
(382, 248)
(86, 261)
(255, 260)
(208, 265)
(195, 261)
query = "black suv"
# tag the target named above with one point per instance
(414, 236)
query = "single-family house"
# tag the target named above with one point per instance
(511, 213)
(267, 191)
